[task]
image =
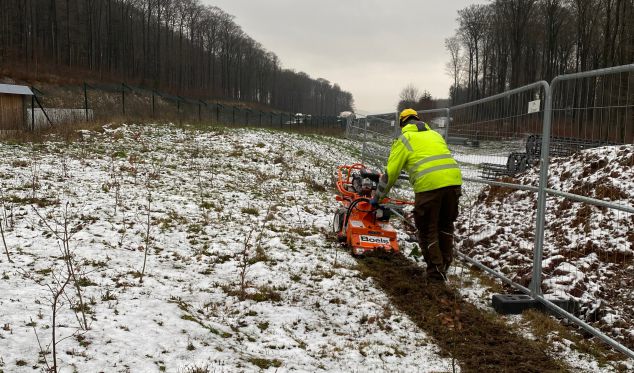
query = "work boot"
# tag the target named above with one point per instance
(434, 275)
(435, 279)
(445, 269)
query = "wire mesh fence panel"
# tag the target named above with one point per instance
(496, 227)
(107, 101)
(242, 116)
(223, 115)
(189, 111)
(275, 120)
(206, 113)
(138, 103)
(57, 106)
(588, 260)
(163, 108)
(437, 119)
(62, 105)
(375, 134)
(588, 246)
(565, 230)
(594, 110)
(490, 138)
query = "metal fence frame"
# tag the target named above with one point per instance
(136, 103)
(543, 192)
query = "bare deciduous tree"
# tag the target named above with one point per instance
(182, 46)
(454, 65)
(509, 43)
(409, 96)
(63, 231)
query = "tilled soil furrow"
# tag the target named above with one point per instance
(480, 342)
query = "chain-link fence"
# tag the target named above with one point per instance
(549, 187)
(60, 105)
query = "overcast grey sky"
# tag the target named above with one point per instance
(372, 48)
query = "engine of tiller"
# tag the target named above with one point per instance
(362, 227)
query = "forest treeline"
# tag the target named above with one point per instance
(180, 46)
(505, 44)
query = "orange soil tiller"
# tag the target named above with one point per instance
(357, 223)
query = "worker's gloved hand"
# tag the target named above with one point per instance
(374, 202)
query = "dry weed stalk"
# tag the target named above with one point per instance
(244, 265)
(124, 229)
(115, 182)
(4, 242)
(64, 164)
(8, 219)
(34, 176)
(148, 226)
(56, 290)
(65, 233)
(117, 194)
(147, 233)
(245, 255)
(258, 240)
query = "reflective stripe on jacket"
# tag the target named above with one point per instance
(424, 154)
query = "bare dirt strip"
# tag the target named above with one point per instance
(479, 341)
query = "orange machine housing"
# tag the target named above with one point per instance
(357, 223)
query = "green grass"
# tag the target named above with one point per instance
(250, 211)
(265, 363)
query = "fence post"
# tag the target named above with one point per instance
(35, 90)
(447, 124)
(536, 280)
(365, 140)
(85, 102)
(33, 112)
(123, 98)
(178, 109)
(153, 105)
(397, 124)
(233, 115)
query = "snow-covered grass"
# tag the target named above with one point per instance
(240, 274)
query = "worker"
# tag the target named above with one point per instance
(437, 181)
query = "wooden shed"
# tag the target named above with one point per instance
(13, 107)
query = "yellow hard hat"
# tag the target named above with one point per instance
(406, 114)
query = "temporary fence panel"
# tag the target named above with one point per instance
(563, 230)
(491, 137)
(375, 134)
(588, 240)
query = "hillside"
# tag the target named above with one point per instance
(182, 47)
(242, 271)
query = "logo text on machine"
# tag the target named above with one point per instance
(374, 239)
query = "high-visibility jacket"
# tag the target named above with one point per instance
(424, 154)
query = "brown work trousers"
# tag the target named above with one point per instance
(435, 213)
